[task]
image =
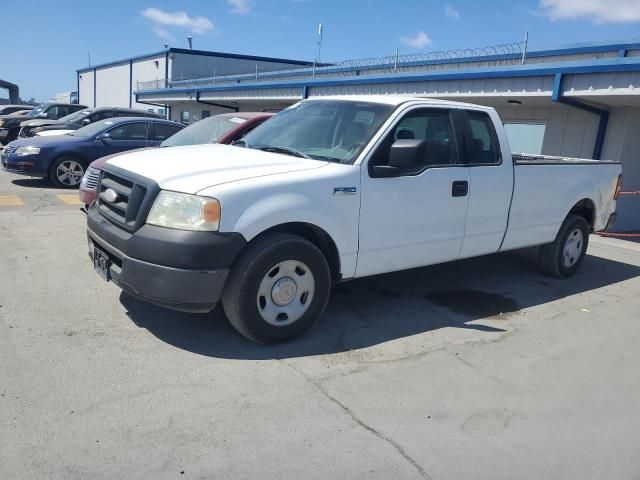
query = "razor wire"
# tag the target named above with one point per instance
(505, 54)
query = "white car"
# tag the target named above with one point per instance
(332, 189)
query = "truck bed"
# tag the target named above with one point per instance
(530, 159)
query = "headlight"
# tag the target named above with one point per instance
(1, 122)
(24, 151)
(185, 212)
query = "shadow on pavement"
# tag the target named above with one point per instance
(375, 310)
(35, 182)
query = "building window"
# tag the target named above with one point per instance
(184, 117)
(525, 137)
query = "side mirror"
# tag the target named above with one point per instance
(44, 115)
(86, 121)
(406, 153)
(105, 137)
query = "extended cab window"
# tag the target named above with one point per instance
(102, 116)
(129, 131)
(53, 113)
(482, 144)
(432, 127)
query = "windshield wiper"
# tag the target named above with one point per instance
(240, 143)
(285, 150)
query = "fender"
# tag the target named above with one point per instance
(290, 207)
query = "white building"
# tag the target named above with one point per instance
(582, 101)
(114, 84)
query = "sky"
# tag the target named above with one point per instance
(49, 40)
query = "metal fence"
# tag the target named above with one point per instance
(497, 55)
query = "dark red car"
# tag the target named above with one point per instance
(224, 128)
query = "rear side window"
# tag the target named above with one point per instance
(482, 142)
(129, 131)
(163, 131)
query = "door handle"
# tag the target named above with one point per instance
(460, 188)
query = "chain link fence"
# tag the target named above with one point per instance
(492, 56)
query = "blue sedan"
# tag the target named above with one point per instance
(64, 158)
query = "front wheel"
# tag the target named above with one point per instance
(66, 172)
(563, 257)
(277, 289)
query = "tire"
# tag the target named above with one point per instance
(61, 178)
(277, 289)
(563, 257)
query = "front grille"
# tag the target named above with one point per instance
(25, 132)
(133, 197)
(9, 149)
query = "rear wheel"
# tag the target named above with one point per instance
(66, 172)
(277, 289)
(563, 257)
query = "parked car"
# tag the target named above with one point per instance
(10, 124)
(79, 119)
(14, 109)
(223, 128)
(63, 159)
(333, 189)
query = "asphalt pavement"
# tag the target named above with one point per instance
(479, 369)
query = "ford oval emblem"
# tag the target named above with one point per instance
(110, 195)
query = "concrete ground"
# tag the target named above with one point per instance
(481, 369)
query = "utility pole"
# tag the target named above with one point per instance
(320, 32)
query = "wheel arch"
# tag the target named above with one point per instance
(314, 234)
(585, 208)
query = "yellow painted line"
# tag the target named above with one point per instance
(10, 200)
(69, 199)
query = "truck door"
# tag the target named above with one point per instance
(417, 217)
(490, 183)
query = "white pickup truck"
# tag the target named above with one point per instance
(333, 189)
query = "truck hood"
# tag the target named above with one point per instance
(192, 168)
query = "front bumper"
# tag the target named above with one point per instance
(20, 165)
(174, 269)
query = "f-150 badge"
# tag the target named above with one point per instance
(342, 191)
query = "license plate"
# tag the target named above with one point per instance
(101, 263)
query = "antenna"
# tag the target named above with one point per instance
(320, 32)
(89, 57)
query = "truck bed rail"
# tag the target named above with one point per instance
(530, 159)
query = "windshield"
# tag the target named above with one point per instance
(75, 116)
(38, 110)
(207, 130)
(92, 129)
(333, 130)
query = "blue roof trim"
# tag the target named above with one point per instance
(616, 64)
(578, 49)
(238, 56)
(206, 53)
(590, 48)
(123, 61)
